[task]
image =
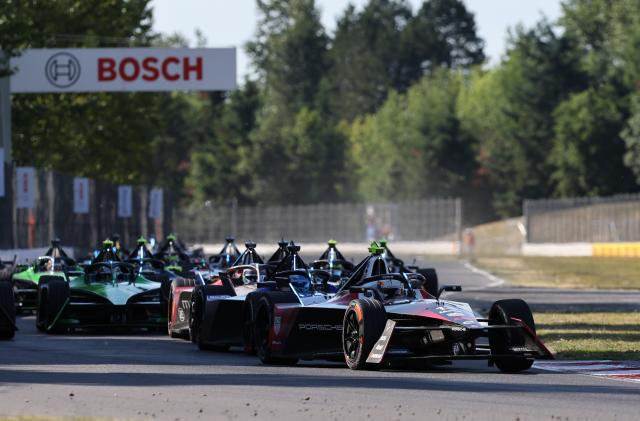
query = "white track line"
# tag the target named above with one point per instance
(495, 281)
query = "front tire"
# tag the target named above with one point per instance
(501, 341)
(431, 280)
(363, 323)
(53, 293)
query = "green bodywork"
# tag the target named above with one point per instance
(117, 305)
(27, 278)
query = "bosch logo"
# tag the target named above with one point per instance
(62, 70)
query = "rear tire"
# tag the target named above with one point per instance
(262, 327)
(501, 341)
(248, 340)
(53, 293)
(431, 280)
(7, 311)
(363, 323)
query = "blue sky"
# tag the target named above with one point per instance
(232, 22)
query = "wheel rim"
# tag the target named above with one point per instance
(351, 341)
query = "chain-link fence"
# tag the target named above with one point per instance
(589, 219)
(53, 214)
(420, 220)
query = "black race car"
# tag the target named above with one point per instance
(378, 317)
(7, 310)
(226, 257)
(395, 265)
(333, 262)
(213, 311)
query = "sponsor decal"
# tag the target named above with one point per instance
(185, 304)
(216, 297)
(377, 353)
(62, 70)
(319, 327)
(277, 322)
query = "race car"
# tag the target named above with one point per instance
(333, 262)
(55, 262)
(378, 317)
(110, 293)
(216, 308)
(395, 265)
(227, 255)
(153, 269)
(279, 254)
(181, 289)
(7, 310)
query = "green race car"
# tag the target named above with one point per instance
(26, 278)
(109, 293)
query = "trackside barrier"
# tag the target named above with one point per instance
(582, 249)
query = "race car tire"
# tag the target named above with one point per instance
(7, 311)
(247, 328)
(262, 330)
(198, 306)
(500, 341)
(363, 323)
(53, 293)
(431, 280)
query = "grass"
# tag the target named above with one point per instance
(565, 272)
(586, 336)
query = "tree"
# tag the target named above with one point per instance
(414, 147)
(510, 113)
(588, 153)
(386, 47)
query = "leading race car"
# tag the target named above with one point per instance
(7, 310)
(378, 317)
(55, 262)
(110, 293)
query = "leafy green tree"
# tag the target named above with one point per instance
(385, 47)
(216, 171)
(588, 153)
(414, 146)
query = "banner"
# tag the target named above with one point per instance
(155, 203)
(25, 187)
(125, 195)
(80, 195)
(124, 70)
(1, 172)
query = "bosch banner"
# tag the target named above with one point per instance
(124, 69)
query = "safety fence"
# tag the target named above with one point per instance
(589, 219)
(420, 220)
(40, 205)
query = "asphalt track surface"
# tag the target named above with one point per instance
(149, 376)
